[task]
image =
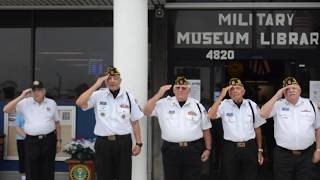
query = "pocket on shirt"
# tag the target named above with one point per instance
(124, 113)
(193, 119)
(102, 107)
(172, 120)
(284, 115)
(249, 120)
(103, 111)
(230, 119)
(308, 116)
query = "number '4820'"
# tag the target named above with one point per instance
(220, 55)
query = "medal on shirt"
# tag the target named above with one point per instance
(124, 106)
(192, 114)
(48, 109)
(123, 116)
(102, 114)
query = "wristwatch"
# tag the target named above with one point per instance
(139, 144)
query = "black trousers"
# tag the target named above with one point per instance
(290, 166)
(114, 158)
(20, 147)
(182, 163)
(40, 155)
(239, 162)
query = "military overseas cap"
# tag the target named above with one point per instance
(235, 82)
(289, 81)
(112, 71)
(37, 85)
(181, 80)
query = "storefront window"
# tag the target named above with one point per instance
(69, 60)
(298, 29)
(246, 34)
(222, 1)
(259, 46)
(15, 55)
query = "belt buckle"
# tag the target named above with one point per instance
(183, 144)
(296, 152)
(112, 138)
(40, 137)
(241, 144)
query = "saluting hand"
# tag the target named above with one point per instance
(136, 150)
(102, 79)
(164, 89)
(26, 92)
(281, 91)
(205, 155)
(260, 158)
(224, 91)
(316, 157)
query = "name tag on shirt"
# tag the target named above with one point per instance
(229, 114)
(103, 103)
(171, 112)
(285, 109)
(305, 110)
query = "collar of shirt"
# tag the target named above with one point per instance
(121, 92)
(45, 100)
(175, 102)
(244, 102)
(299, 102)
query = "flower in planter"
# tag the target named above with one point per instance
(80, 149)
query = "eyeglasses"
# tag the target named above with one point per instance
(180, 87)
(114, 77)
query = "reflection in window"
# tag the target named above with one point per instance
(69, 60)
(15, 56)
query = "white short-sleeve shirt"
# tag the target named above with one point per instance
(294, 125)
(179, 124)
(39, 118)
(237, 122)
(113, 114)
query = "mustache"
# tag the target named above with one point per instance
(291, 93)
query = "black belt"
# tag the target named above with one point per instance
(114, 137)
(184, 143)
(242, 144)
(41, 136)
(294, 152)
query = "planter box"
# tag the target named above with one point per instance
(81, 171)
(2, 136)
